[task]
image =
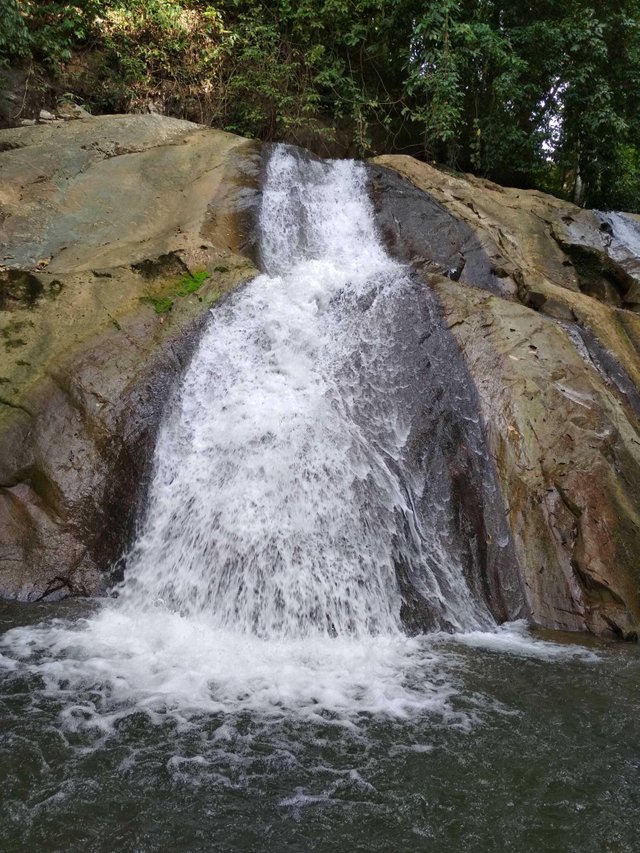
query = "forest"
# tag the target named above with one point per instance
(542, 94)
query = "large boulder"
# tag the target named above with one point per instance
(541, 298)
(116, 236)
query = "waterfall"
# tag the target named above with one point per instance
(303, 509)
(302, 653)
(281, 489)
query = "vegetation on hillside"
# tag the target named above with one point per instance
(537, 94)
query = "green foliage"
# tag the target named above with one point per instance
(531, 94)
(14, 37)
(535, 94)
(160, 304)
(56, 29)
(619, 185)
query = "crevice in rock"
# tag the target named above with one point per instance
(619, 632)
(595, 586)
(5, 402)
(163, 266)
(59, 583)
(605, 364)
(110, 149)
(573, 508)
(598, 275)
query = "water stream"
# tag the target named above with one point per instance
(273, 671)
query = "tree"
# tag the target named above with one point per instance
(541, 93)
(511, 89)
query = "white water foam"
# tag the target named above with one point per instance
(264, 577)
(515, 638)
(169, 664)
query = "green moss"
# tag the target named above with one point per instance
(187, 285)
(191, 282)
(160, 304)
(14, 327)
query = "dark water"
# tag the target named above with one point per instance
(540, 751)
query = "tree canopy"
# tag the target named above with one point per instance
(535, 93)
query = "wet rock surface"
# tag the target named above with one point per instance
(605, 250)
(555, 359)
(117, 234)
(461, 501)
(405, 215)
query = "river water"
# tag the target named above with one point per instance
(252, 684)
(527, 746)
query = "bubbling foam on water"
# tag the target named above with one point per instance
(264, 576)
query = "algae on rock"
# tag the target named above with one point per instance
(98, 217)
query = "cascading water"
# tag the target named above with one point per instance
(280, 474)
(321, 489)
(299, 511)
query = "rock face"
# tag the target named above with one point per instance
(541, 297)
(118, 233)
(116, 236)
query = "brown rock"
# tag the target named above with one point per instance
(556, 362)
(101, 221)
(568, 458)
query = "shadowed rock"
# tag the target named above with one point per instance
(557, 377)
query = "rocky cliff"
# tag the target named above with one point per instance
(116, 235)
(542, 298)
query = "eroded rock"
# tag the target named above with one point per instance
(556, 362)
(116, 236)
